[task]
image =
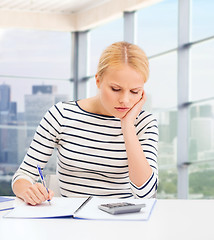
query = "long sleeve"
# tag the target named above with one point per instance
(91, 155)
(147, 132)
(42, 146)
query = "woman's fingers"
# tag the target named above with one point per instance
(42, 190)
(36, 194)
(144, 97)
(27, 198)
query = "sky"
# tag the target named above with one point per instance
(43, 54)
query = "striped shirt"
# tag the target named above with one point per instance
(91, 153)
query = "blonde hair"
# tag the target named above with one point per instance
(123, 53)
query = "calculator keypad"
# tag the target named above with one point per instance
(113, 205)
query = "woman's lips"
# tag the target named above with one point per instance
(121, 109)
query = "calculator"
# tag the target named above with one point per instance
(121, 208)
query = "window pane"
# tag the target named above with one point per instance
(202, 63)
(167, 187)
(201, 179)
(201, 150)
(167, 149)
(161, 87)
(100, 38)
(157, 27)
(91, 87)
(34, 73)
(202, 19)
(23, 104)
(201, 141)
(44, 54)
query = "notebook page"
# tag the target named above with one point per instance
(91, 210)
(58, 207)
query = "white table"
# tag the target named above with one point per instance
(170, 220)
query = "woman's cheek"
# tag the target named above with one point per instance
(108, 96)
(136, 99)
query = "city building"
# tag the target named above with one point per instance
(8, 127)
(37, 104)
(4, 97)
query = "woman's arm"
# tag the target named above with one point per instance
(140, 171)
(139, 168)
(46, 138)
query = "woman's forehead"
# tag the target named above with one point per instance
(123, 74)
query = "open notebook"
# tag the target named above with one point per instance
(80, 208)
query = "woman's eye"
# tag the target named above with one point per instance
(134, 92)
(115, 89)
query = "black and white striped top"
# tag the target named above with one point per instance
(91, 154)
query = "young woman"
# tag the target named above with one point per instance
(106, 145)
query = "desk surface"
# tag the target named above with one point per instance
(171, 219)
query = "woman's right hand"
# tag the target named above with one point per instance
(32, 194)
(36, 194)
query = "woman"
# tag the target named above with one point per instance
(106, 145)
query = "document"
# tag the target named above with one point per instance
(6, 203)
(80, 208)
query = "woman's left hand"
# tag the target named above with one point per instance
(132, 114)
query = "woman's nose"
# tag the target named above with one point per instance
(124, 98)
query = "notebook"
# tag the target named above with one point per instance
(92, 212)
(80, 208)
(6, 203)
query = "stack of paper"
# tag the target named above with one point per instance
(6, 203)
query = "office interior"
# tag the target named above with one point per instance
(49, 52)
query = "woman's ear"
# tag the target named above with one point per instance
(97, 81)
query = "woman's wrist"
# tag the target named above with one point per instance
(128, 128)
(20, 187)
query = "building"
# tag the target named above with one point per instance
(202, 132)
(44, 89)
(37, 104)
(4, 97)
(8, 130)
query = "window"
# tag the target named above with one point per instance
(162, 82)
(202, 19)
(201, 177)
(157, 27)
(201, 122)
(201, 108)
(202, 58)
(34, 75)
(157, 35)
(100, 38)
(167, 156)
(202, 131)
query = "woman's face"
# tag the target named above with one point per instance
(120, 89)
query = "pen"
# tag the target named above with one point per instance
(42, 179)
